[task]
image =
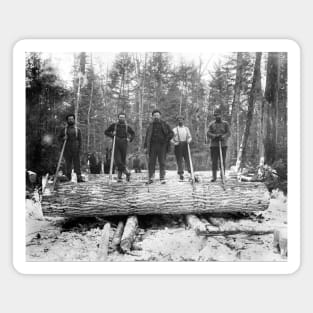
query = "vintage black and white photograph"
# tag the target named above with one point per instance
(156, 156)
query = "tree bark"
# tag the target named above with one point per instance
(129, 233)
(98, 198)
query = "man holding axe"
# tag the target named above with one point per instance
(121, 134)
(218, 133)
(181, 141)
(71, 140)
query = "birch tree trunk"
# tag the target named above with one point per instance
(234, 142)
(255, 88)
(88, 118)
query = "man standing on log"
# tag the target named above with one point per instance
(157, 144)
(123, 134)
(218, 132)
(72, 135)
(181, 140)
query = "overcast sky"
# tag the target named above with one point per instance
(64, 61)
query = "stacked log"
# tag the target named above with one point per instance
(97, 198)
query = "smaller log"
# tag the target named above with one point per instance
(195, 223)
(224, 227)
(229, 232)
(104, 243)
(129, 233)
(117, 235)
(217, 221)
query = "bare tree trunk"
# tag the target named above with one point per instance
(234, 142)
(251, 102)
(270, 108)
(197, 102)
(77, 100)
(141, 101)
(88, 118)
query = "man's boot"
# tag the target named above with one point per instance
(119, 177)
(162, 180)
(127, 173)
(80, 179)
(214, 176)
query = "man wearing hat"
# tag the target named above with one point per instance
(72, 134)
(123, 134)
(218, 132)
(181, 140)
(157, 144)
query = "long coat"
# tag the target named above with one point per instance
(169, 134)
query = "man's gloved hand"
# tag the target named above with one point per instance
(218, 137)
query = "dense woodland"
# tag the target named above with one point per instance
(250, 89)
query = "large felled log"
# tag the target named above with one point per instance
(98, 198)
(129, 233)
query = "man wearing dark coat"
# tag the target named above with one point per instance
(72, 134)
(157, 144)
(124, 134)
(218, 132)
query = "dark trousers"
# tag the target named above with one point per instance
(157, 151)
(71, 157)
(181, 153)
(215, 157)
(120, 154)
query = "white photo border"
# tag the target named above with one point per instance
(289, 266)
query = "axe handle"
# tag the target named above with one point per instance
(59, 164)
(112, 160)
(222, 164)
(190, 162)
